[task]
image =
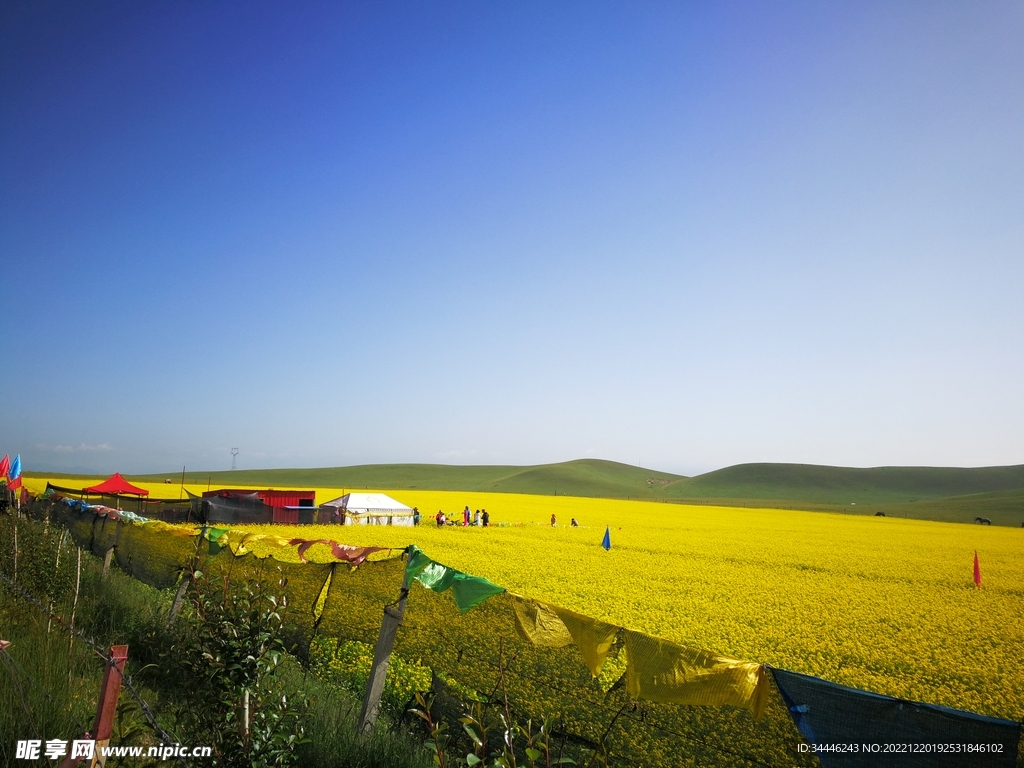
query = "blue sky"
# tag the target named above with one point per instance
(681, 235)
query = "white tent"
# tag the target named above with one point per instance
(368, 509)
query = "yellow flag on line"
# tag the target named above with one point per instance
(235, 541)
(553, 627)
(659, 670)
(538, 623)
(594, 638)
(273, 542)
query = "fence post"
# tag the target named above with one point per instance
(74, 607)
(106, 707)
(186, 579)
(179, 599)
(107, 556)
(381, 658)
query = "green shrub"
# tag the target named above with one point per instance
(225, 655)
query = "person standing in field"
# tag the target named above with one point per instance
(465, 517)
(415, 515)
(486, 518)
(439, 517)
(476, 518)
(552, 519)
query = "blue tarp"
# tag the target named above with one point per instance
(867, 729)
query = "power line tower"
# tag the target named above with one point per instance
(234, 457)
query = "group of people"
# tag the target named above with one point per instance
(478, 518)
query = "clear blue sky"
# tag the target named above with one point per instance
(685, 235)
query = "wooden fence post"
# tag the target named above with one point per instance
(107, 557)
(109, 554)
(381, 658)
(179, 599)
(74, 607)
(186, 579)
(106, 707)
(106, 711)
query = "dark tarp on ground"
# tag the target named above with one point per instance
(234, 508)
(828, 713)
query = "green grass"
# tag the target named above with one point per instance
(845, 485)
(49, 686)
(1001, 507)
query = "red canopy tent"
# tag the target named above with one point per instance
(116, 485)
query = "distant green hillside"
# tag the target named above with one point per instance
(584, 477)
(844, 485)
(1001, 507)
(938, 493)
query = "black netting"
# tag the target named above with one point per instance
(231, 509)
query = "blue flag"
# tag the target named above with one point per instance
(14, 474)
(606, 542)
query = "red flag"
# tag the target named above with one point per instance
(5, 466)
(977, 570)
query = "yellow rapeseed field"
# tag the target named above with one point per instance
(882, 604)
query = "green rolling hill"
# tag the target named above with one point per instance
(585, 477)
(845, 485)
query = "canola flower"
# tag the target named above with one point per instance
(347, 665)
(881, 604)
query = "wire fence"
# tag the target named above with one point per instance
(473, 653)
(465, 650)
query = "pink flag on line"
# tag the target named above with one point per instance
(977, 570)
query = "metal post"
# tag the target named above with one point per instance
(106, 707)
(381, 658)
